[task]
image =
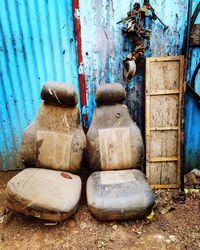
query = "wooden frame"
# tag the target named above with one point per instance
(163, 90)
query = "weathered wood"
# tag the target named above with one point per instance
(161, 159)
(164, 128)
(164, 186)
(163, 110)
(195, 35)
(163, 173)
(163, 143)
(165, 77)
(164, 80)
(164, 92)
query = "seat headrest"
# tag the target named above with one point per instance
(110, 93)
(59, 93)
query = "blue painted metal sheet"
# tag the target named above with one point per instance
(102, 44)
(192, 112)
(36, 44)
(192, 133)
(104, 48)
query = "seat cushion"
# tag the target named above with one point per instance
(119, 195)
(54, 140)
(62, 94)
(46, 194)
(107, 94)
(114, 142)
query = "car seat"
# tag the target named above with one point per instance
(52, 147)
(117, 189)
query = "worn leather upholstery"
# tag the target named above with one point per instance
(113, 140)
(119, 195)
(53, 141)
(114, 144)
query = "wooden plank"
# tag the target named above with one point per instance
(164, 143)
(166, 77)
(163, 173)
(162, 159)
(163, 91)
(164, 58)
(147, 117)
(154, 174)
(182, 90)
(169, 173)
(163, 111)
(164, 128)
(157, 186)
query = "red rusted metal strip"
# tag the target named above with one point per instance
(77, 30)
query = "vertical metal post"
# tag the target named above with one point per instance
(187, 58)
(77, 30)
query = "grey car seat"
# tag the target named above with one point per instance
(117, 189)
(51, 149)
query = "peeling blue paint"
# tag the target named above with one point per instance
(102, 40)
(192, 134)
(37, 43)
(104, 44)
(192, 112)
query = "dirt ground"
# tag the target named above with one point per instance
(174, 226)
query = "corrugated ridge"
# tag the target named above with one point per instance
(34, 48)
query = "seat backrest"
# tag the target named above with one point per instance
(113, 140)
(55, 139)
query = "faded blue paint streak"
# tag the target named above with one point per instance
(192, 112)
(192, 134)
(104, 47)
(102, 44)
(195, 56)
(37, 44)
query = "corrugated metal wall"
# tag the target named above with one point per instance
(104, 47)
(36, 44)
(192, 113)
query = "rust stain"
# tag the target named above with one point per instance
(66, 176)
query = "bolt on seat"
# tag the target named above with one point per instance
(117, 189)
(51, 149)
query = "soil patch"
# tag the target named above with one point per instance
(173, 226)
